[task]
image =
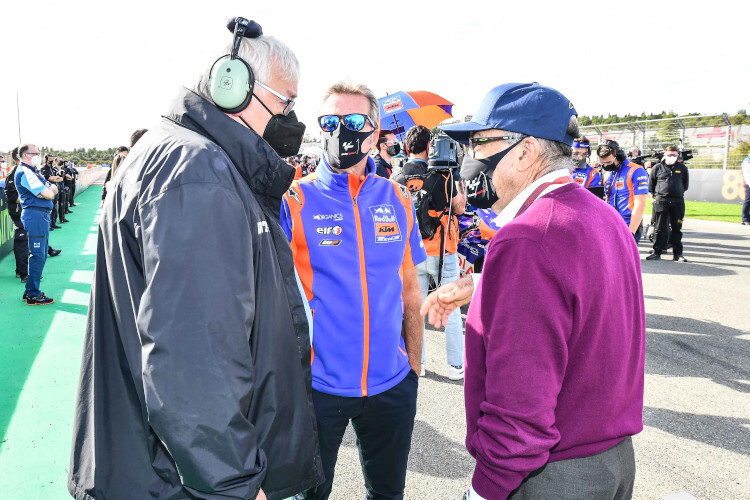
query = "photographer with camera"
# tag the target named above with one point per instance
(439, 200)
(668, 182)
(626, 187)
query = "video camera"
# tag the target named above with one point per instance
(444, 153)
(657, 155)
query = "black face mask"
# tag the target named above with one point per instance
(394, 149)
(580, 163)
(343, 147)
(283, 133)
(480, 192)
(609, 168)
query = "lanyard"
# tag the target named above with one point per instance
(538, 191)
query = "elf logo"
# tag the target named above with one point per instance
(329, 243)
(333, 230)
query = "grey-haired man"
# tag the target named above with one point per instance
(195, 380)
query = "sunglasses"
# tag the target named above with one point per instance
(352, 121)
(481, 141)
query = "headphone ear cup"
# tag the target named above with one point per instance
(231, 84)
(620, 155)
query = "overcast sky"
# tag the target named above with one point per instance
(88, 73)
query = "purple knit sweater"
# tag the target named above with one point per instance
(555, 341)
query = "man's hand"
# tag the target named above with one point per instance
(441, 303)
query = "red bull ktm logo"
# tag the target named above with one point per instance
(386, 224)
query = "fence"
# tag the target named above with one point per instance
(713, 139)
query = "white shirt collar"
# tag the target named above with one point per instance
(510, 211)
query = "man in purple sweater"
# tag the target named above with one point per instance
(554, 351)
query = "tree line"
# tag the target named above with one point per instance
(716, 121)
(82, 156)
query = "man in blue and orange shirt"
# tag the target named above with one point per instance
(356, 243)
(584, 174)
(626, 188)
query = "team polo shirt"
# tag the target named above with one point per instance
(29, 184)
(623, 185)
(352, 238)
(587, 176)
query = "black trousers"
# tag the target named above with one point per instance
(62, 202)
(21, 247)
(383, 424)
(746, 205)
(668, 212)
(53, 214)
(72, 196)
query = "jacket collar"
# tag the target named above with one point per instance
(340, 182)
(263, 170)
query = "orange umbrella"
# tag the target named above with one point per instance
(403, 110)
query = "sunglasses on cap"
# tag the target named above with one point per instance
(352, 121)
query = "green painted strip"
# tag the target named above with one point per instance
(41, 348)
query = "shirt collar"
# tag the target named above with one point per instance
(340, 181)
(510, 211)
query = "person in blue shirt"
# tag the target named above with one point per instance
(356, 244)
(626, 188)
(584, 174)
(36, 197)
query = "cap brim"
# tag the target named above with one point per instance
(461, 132)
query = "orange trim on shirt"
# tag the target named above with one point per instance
(590, 179)
(300, 249)
(355, 184)
(408, 205)
(631, 188)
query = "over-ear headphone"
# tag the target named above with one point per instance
(232, 80)
(614, 146)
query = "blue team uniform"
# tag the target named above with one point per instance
(352, 239)
(623, 185)
(587, 176)
(35, 219)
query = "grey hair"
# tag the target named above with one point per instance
(339, 88)
(554, 155)
(266, 55)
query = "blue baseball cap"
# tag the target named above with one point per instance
(526, 108)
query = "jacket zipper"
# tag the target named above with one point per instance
(365, 295)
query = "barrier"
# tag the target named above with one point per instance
(86, 177)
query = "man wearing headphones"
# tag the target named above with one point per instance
(626, 188)
(195, 380)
